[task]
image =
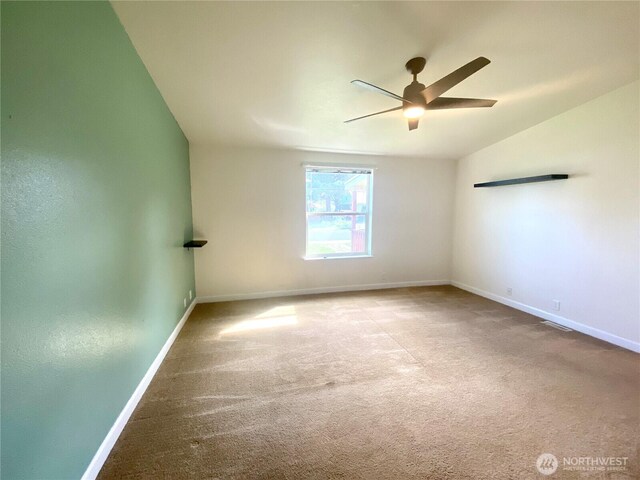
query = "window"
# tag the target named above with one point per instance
(338, 211)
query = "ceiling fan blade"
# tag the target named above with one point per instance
(373, 88)
(436, 89)
(442, 103)
(372, 114)
(413, 123)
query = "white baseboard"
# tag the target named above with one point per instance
(580, 327)
(107, 444)
(310, 291)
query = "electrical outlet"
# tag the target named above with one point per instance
(556, 305)
(190, 294)
(509, 291)
(184, 302)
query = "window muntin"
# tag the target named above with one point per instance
(338, 208)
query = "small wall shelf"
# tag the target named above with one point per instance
(195, 244)
(516, 181)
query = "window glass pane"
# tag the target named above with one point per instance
(338, 212)
(337, 192)
(336, 234)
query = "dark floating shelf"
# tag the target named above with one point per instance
(195, 244)
(517, 181)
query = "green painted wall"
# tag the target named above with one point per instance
(95, 208)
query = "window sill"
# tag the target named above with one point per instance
(337, 258)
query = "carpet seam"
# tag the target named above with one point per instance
(422, 365)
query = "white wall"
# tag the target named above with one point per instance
(575, 240)
(249, 204)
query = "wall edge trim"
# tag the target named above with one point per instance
(109, 441)
(316, 290)
(574, 325)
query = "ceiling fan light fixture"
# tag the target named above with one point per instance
(414, 111)
(417, 99)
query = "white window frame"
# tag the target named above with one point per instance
(332, 168)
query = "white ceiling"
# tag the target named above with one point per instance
(277, 73)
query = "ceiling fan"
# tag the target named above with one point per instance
(417, 98)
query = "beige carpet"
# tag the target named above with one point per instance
(428, 383)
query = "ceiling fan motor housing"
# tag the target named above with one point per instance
(413, 94)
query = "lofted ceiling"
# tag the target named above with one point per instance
(278, 73)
